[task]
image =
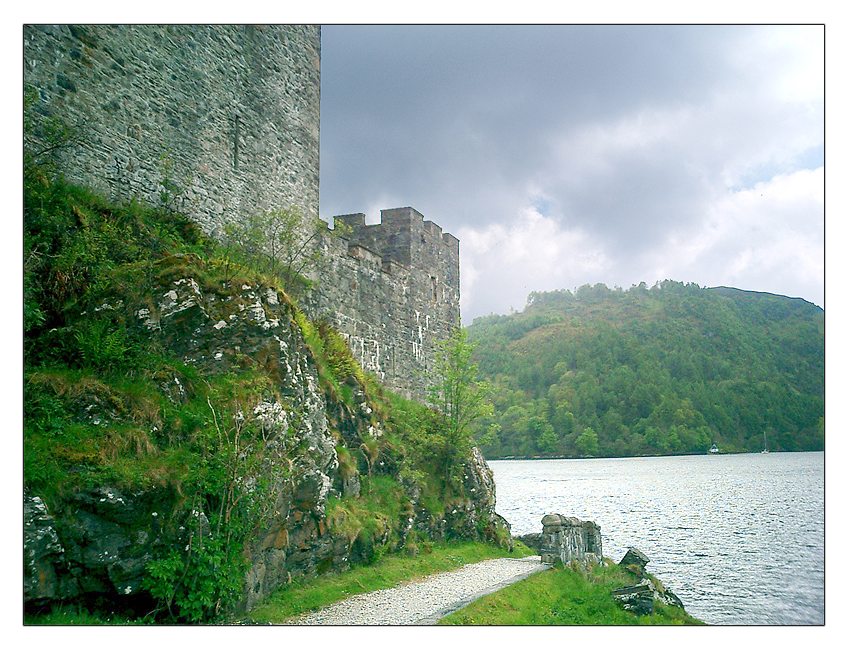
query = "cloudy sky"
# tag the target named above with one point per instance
(566, 155)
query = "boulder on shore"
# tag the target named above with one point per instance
(634, 561)
(531, 540)
(638, 599)
(634, 598)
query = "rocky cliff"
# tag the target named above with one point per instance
(228, 445)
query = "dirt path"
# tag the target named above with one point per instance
(425, 601)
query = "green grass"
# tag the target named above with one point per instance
(73, 615)
(564, 597)
(308, 595)
(144, 441)
(371, 515)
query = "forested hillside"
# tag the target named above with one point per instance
(669, 369)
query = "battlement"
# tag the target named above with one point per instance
(395, 295)
(353, 221)
(400, 215)
(451, 242)
(401, 236)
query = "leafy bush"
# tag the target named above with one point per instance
(199, 583)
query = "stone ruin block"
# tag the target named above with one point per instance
(568, 539)
(638, 599)
(634, 561)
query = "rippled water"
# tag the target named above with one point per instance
(739, 538)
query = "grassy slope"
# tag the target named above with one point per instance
(564, 597)
(83, 253)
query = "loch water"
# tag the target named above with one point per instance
(739, 538)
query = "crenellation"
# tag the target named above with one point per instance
(414, 304)
(352, 221)
(432, 228)
(451, 242)
(397, 216)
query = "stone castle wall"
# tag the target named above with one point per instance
(227, 113)
(393, 290)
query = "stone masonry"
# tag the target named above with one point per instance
(225, 115)
(567, 539)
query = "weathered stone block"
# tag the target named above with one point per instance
(42, 550)
(638, 599)
(567, 539)
(635, 561)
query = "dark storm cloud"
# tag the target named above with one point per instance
(618, 136)
(406, 109)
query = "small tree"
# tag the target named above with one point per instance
(282, 242)
(459, 396)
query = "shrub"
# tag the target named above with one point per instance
(103, 345)
(200, 583)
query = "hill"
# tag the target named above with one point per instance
(668, 369)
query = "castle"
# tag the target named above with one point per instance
(230, 115)
(393, 290)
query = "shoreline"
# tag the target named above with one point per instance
(721, 453)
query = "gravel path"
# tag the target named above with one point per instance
(428, 599)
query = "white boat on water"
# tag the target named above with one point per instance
(766, 448)
(713, 449)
